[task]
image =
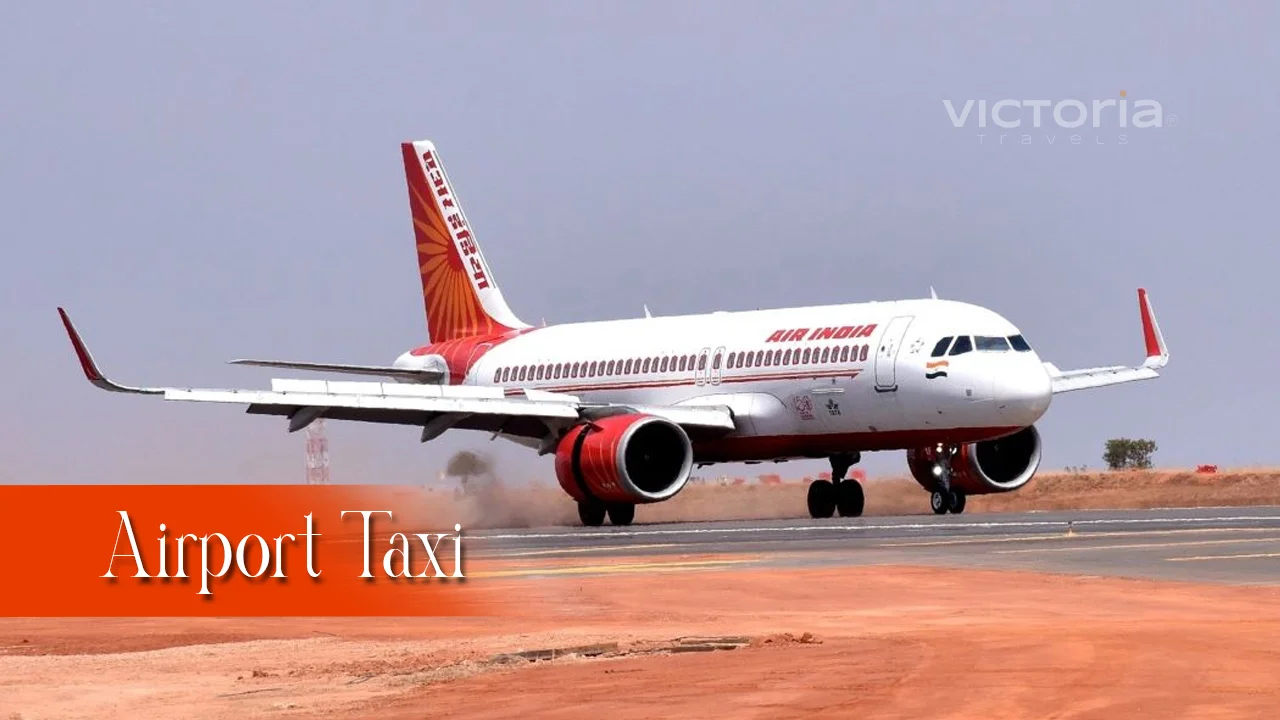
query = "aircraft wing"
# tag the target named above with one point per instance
(1157, 357)
(410, 374)
(532, 414)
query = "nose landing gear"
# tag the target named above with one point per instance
(839, 494)
(945, 499)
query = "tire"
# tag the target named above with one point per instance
(850, 499)
(822, 499)
(939, 502)
(591, 513)
(622, 513)
(957, 502)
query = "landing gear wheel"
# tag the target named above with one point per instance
(622, 513)
(822, 499)
(591, 513)
(957, 502)
(940, 502)
(849, 498)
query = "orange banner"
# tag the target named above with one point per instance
(231, 550)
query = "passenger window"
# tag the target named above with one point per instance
(991, 344)
(715, 364)
(1019, 343)
(702, 362)
(962, 346)
(807, 351)
(826, 354)
(684, 363)
(665, 362)
(627, 369)
(497, 376)
(941, 348)
(844, 354)
(863, 356)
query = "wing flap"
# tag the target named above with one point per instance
(410, 374)
(373, 399)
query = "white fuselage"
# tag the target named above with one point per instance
(800, 381)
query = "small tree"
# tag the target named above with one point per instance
(1124, 453)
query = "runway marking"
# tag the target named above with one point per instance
(616, 568)
(564, 551)
(1223, 557)
(861, 528)
(1037, 538)
(1127, 546)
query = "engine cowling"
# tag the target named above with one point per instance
(624, 458)
(990, 466)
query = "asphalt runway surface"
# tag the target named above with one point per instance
(1238, 545)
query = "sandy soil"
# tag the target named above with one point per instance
(540, 506)
(883, 642)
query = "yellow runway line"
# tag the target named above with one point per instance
(645, 567)
(1063, 536)
(1139, 546)
(1223, 557)
(566, 551)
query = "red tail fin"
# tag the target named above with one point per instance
(461, 296)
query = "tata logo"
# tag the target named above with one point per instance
(823, 333)
(462, 239)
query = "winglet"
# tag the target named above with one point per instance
(1157, 351)
(90, 368)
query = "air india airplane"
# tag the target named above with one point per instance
(630, 407)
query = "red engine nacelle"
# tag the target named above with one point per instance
(990, 466)
(624, 459)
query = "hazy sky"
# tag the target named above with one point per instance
(203, 181)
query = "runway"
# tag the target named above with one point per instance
(1220, 545)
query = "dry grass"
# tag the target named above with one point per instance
(502, 506)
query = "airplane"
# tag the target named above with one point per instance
(630, 407)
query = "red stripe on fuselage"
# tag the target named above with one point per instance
(778, 447)
(652, 384)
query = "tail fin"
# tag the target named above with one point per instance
(461, 296)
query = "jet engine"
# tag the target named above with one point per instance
(990, 466)
(624, 459)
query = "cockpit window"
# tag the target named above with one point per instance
(962, 346)
(991, 344)
(1019, 343)
(941, 348)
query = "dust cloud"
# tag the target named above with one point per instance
(485, 500)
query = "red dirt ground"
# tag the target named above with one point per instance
(548, 505)
(886, 643)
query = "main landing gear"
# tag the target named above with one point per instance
(827, 497)
(593, 512)
(945, 499)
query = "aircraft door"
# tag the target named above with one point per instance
(717, 365)
(887, 353)
(702, 369)
(473, 378)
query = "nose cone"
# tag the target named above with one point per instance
(1022, 392)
